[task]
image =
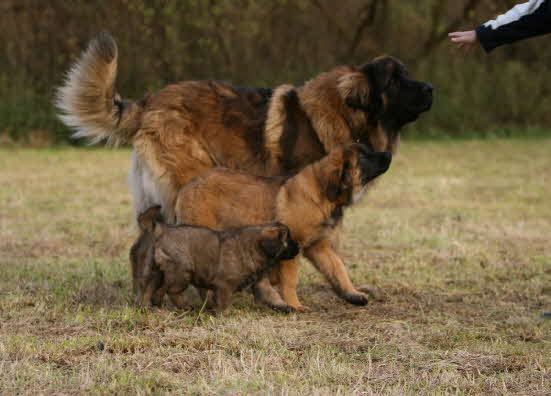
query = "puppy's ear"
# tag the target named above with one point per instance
(147, 219)
(334, 185)
(338, 183)
(269, 240)
(270, 247)
(355, 90)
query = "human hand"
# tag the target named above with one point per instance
(464, 40)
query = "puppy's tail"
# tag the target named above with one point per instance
(148, 219)
(87, 100)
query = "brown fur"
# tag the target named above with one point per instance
(189, 127)
(310, 203)
(224, 262)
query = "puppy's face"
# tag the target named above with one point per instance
(355, 166)
(276, 242)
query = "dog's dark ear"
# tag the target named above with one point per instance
(334, 185)
(337, 185)
(147, 219)
(268, 241)
(365, 87)
(270, 247)
(354, 90)
(379, 73)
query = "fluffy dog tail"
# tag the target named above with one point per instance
(87, 99)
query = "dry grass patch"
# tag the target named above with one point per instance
(454, 241)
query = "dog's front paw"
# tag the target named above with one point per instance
(284, 308)
(356, 298)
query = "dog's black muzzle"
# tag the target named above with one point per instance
(374, 164)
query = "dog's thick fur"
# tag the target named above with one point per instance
(192, 126)
(310, 203)
(222, 261)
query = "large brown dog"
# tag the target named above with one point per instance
(222, 261)
(310, 203)
(192, 126)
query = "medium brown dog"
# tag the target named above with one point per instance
(222, 261)
(310, 203)
(189, 127)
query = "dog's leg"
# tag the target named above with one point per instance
(265, 293)
(222, 295)
(144, 297)
(326, 260)
(206, 297)
(288, 277)
(158, 295)
(152, 292)
(179, 300)
(275, 274)
(177, 296)
(146, 190)
(157, 298)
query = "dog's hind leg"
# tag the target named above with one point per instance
(223, 298)
(144, 191)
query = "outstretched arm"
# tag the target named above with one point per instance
(523, 21)
(526, 20)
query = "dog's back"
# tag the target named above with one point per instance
(216, 198)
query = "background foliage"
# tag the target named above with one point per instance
(268, 42)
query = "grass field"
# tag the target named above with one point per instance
(455, 240)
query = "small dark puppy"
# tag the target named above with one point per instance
(146, 277)
(167, 258)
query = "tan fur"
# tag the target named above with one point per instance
(301, 202)
(86, 99)
(274, 124)
(192, 126)
(324, 104)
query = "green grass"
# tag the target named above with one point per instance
(455, 240)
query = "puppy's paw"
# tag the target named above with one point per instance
(356, 298)
(284, 308)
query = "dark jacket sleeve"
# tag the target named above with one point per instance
(523, 21)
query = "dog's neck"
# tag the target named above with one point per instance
(304, 193)
(334, 121)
